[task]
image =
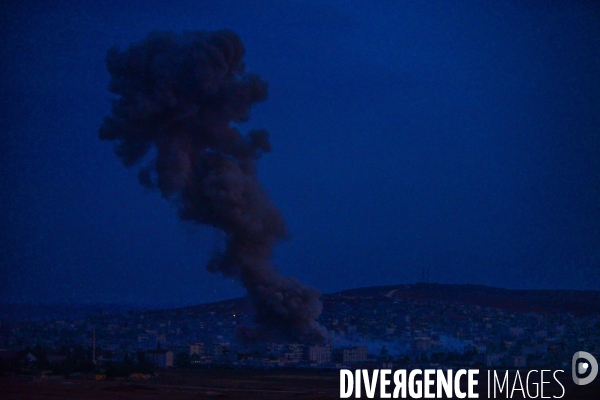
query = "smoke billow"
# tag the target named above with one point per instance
(177, 97)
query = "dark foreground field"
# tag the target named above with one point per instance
(183, 385)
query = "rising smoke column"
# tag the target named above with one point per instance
(177, 97)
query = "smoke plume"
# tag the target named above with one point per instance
(177, 95)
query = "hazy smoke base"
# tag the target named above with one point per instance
(178, 95)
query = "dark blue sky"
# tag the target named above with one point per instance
(463, 137)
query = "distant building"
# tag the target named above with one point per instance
(160, 358)
(294, 353)
(355, 354)
(197, 349)
(221, 351)
(319, 354)
(275, 349)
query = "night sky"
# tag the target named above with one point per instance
(460, 137)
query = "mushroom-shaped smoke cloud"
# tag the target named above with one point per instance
(177, 96)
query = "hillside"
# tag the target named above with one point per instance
(576, 302)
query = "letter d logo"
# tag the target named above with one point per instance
(581, 368)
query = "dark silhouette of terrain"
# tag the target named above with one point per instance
(577, 302)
